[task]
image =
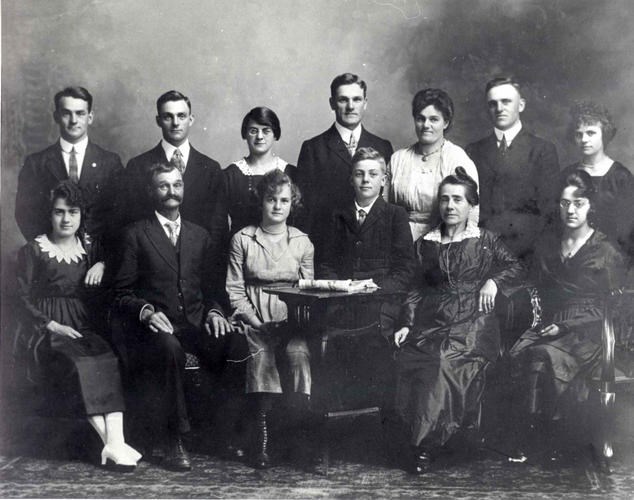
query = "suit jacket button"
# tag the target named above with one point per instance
(180, 308)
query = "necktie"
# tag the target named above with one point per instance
(361, 216)
(177, 161)
(352, 145)
(504, 147)
(172, 228)
(73, 169)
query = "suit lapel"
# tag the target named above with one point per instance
(337, 146)
(55, 163)
(186, 242)
(161, 242)
(192, 170)
(90, 166)
(349, 216)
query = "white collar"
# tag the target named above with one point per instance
(345, 133)
(170, 148)
(164, 220)
(75, 254)
(509, 134)
(247, 169)
(367, 208)
(471, 231)
(80, 147)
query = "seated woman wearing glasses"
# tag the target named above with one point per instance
(573, 270)
(450, 332)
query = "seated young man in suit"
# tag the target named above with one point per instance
(165, 297)
(370, 238)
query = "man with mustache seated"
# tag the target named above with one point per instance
(165, 299)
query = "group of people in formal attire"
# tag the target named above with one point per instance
(128, 270)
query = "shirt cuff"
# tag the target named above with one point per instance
(217, 311)
(146, 306)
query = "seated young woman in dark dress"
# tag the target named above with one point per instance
(551, 363)
(268, 254)
(591, 128)
(55, 274)
(450, 332)
(260, 129)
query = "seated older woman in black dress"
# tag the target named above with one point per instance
(591, 128)
(55, 272)
(449, 331)
(573, 270)
(260, 129)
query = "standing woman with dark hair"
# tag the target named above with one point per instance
(574, 271)
(591, 128)
(449, 332)
(415, 172)
(264, 255)
(260, 129)
(55, 274)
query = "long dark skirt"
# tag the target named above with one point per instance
(553, 371)
(85, 372)
(438, 389)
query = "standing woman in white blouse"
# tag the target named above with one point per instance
(415, 172)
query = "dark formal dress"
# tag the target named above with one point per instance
(240, 184)
(176, 280)
(614, 211)
(100, 180)
(83, 372)
(441, 365)
(323, 176)
(552, 371)
(518, 190)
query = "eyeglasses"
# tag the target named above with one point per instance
(576, 203)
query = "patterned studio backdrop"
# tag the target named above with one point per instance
(229, 56)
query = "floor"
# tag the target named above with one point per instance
(359, 469)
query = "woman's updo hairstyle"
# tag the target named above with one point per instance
(461, 178)
(582, 181)
(272, 182)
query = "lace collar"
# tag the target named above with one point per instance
(247, 169)
(54, 252)
(471, 231)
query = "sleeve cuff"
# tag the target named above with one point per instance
(146, 306)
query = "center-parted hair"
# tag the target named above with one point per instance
(172, 95)
(262, 116)
(437, 98)
(74, 197)
(347, 79)
(272, 182)
(585, 188)
(461, 178)
(156, 169)
(369, 153)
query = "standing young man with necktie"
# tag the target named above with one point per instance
(325, 161)
(519, 172)
(206, 201)
(73, 157)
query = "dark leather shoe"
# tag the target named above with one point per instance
(422, 463)
(176, 457)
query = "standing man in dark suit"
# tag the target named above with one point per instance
(206, 201)
(165, 297)
(519, 172)
(325, 161)
(73, 157)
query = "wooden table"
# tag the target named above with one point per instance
(324, 315)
